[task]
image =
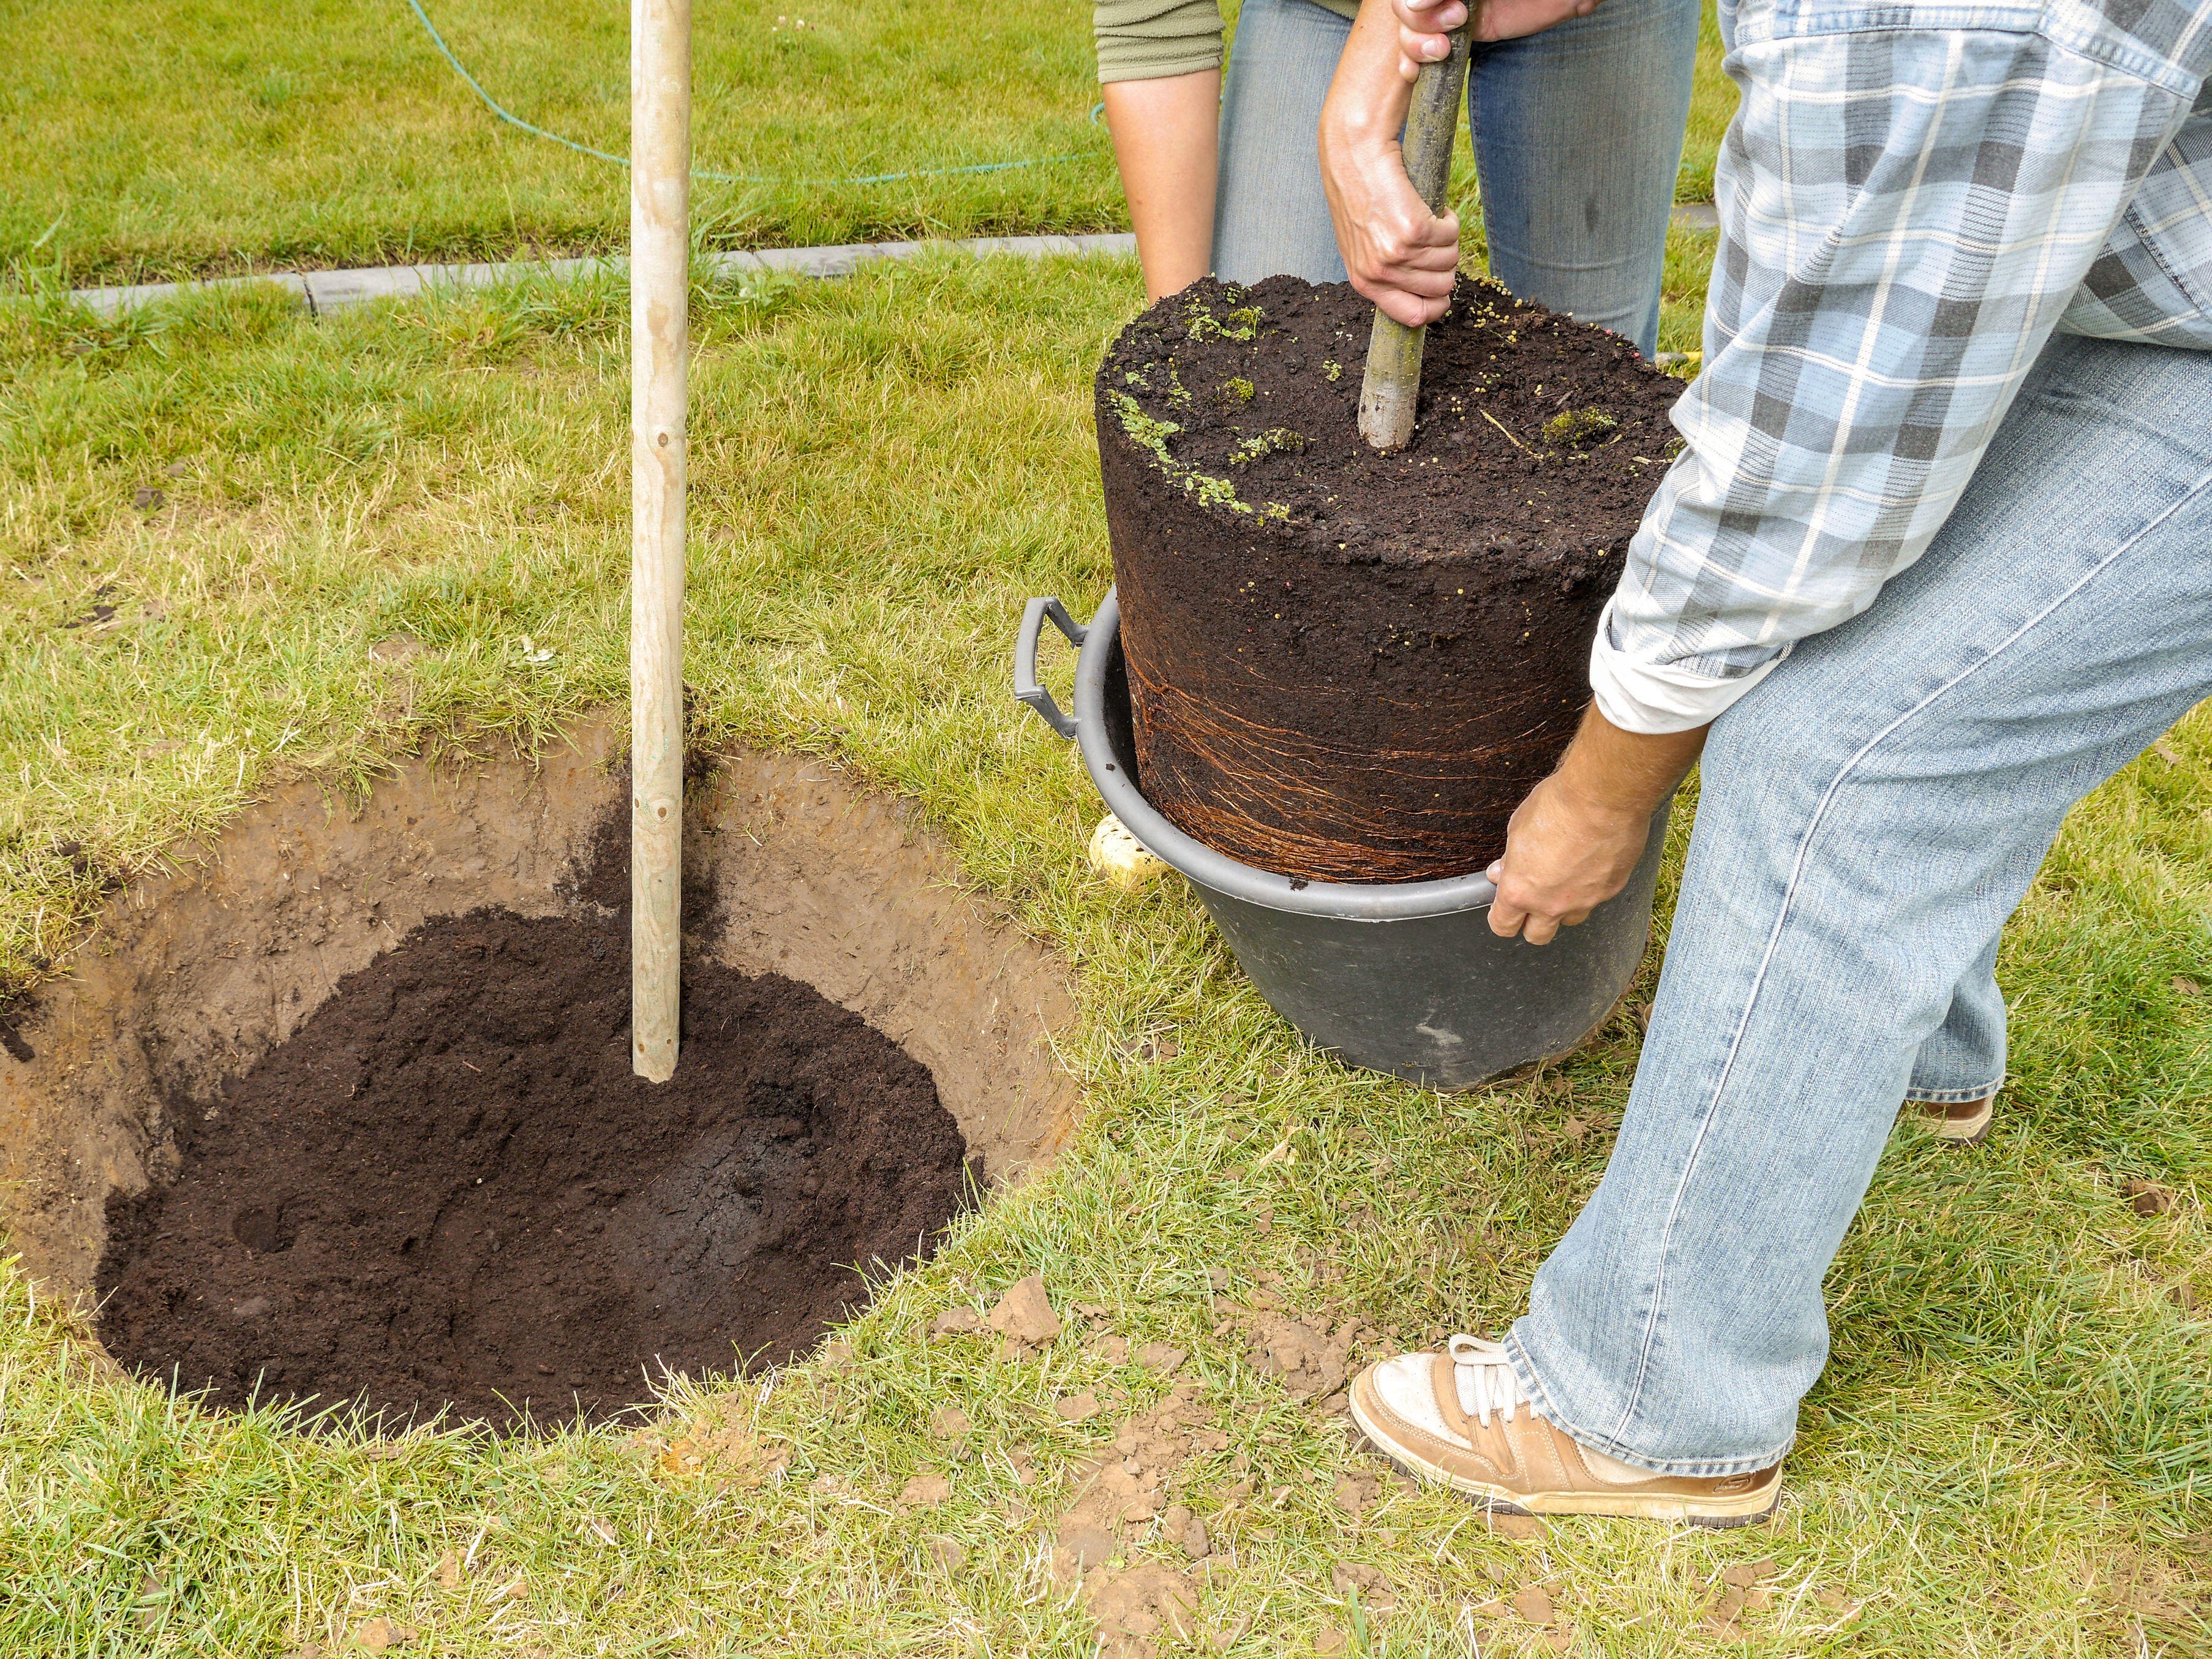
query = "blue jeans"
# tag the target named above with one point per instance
(1577, 137)
(1870, 817)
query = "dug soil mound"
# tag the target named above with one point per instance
(446, 1188)
(1350, 666)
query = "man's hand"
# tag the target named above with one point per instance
(1423, 25)
(1398, 253)
(1564, 856)
(1576, 840)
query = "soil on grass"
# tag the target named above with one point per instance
(448, 1188)
(1346, 666)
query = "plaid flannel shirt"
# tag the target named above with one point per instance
(1913, 198)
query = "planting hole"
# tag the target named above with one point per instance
(371, 1133)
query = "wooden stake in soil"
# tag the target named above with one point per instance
(1393, 382)
(660, 275)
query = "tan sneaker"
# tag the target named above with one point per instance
(1121, 859)
(1962, 1122)
(1458, 1418)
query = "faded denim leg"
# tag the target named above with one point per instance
(1965, 1058)
(1270, 215)
(1578, 139)
(1870, 817)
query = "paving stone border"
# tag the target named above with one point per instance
(330, 290)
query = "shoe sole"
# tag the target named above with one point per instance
(1719, 1514)
(1966, 1131)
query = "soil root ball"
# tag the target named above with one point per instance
(1347, 665)
(448, 1188)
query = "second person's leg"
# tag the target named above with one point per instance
(1578, 137)
(1270, 217)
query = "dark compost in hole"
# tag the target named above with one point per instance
(448, 1188)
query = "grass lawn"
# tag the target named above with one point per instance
(162, 138)
(2008, 1455)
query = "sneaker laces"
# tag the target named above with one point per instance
(1484, 1377)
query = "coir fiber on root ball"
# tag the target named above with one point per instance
(1350, 666)
(448, 1188)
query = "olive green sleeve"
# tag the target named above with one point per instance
(1151, 40)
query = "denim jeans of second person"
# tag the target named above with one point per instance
(1577, 137)
(1869, 815)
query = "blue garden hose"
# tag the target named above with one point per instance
(514, 121)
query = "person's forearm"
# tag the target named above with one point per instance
(1397, 253)
(1608, 772)
(1368, 97)
(1166, 138)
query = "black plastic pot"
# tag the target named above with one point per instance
(1405, 978)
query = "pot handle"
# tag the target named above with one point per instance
(1027, 686)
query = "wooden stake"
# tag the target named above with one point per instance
(1392, 384)
(659, 279)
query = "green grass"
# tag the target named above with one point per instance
(1712, 106)
(163, 138)
(2007, 1455)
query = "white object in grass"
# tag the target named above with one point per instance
(1121, 858)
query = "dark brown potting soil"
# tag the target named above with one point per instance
(1350, 666)
(448, 1188)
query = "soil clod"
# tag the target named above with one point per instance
(2146, 1197)
(1024, 1314)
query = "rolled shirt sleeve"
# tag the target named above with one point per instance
(1906, 215)
(1151, 40)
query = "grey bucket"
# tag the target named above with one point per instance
(1405, 978)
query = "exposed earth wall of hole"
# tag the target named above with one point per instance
(191, 977)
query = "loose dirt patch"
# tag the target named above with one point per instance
(193, 979)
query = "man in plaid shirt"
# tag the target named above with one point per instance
(1935, 562)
